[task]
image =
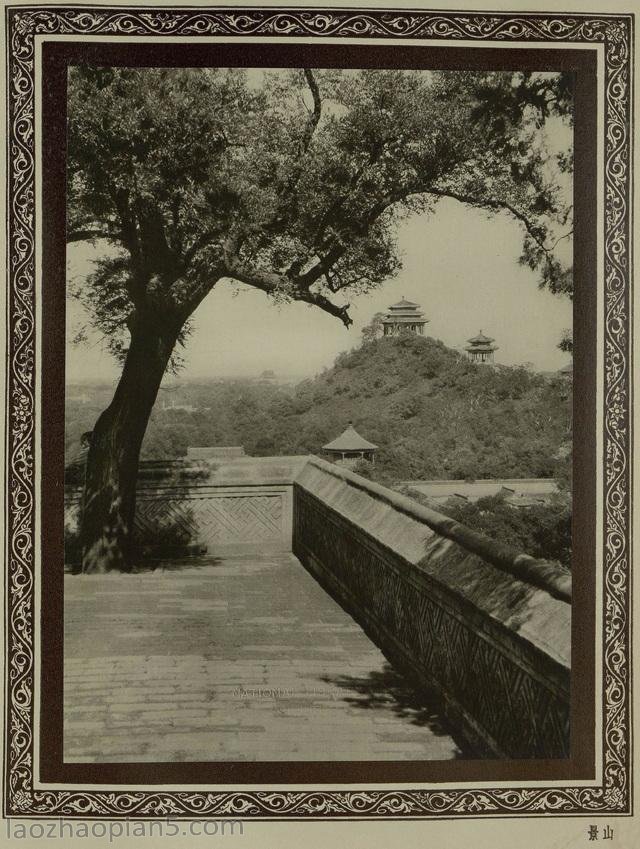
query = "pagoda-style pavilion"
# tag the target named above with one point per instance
(349, 447)
(480, 348)
(404, 317)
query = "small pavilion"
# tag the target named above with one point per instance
(404, 317)
(349, 447)
(480, 348)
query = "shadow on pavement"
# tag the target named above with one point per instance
(388, 690)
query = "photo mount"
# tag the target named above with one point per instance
(26, 793)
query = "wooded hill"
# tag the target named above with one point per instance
(432, 413)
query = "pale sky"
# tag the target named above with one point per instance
(460, 265)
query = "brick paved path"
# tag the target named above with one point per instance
(231, 659)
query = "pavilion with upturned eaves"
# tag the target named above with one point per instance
(404, 317)
(349, 447)
(481, 348)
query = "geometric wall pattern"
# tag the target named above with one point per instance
(510, 699)
(212, 520)
(204, 517)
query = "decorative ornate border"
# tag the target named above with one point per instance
(615, 33)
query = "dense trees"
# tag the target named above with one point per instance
(433, 414)
(291, 182)
(541, 530)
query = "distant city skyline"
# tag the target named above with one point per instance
(460, 265)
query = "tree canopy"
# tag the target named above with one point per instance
(294, 181)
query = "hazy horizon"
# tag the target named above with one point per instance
(460, 265)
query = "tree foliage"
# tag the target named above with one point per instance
(294, 184)
(566, 342)
(374, 329)
(541, 530)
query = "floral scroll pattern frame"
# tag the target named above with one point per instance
(612, 794)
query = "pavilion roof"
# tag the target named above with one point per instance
(349, 440)
(404, 304)
(481, 349)
(403, 317)
(481, 339)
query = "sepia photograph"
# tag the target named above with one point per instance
(318, 398)
(318, 415)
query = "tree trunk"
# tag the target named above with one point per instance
(112, 464)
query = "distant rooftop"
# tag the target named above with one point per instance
(349, 440)
(536, 489)
(481, 339)
(480, 348)
(404, 304)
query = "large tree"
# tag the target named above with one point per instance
(292, 182)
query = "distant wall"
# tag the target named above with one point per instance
(488, 630)
(208, 452)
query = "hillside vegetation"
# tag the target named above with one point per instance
(432, 413)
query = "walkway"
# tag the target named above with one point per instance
(231, 659)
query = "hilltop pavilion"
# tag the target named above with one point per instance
(480, 348)
(404, 317)
(349, 447)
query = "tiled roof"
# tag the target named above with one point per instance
(404, 304)
(481, 339)
(350, 440)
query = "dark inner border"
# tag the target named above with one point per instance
(56, 58)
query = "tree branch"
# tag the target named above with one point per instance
(130, 239)
(197, 245)
(283, 209)
(155, 250)
(87, 235)
(560, 239)
(325, 304)
(314, 119)
(321, 267)
(297, 289)
(128, 225)
(331, 213)
(198, 294)
(492, 203)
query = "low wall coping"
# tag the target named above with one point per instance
(544, 574)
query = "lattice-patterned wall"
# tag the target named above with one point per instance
(511, 699)
(217, 517)
(208, 520)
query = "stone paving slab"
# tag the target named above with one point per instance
(231, 659)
